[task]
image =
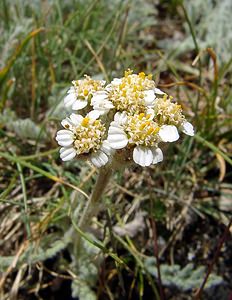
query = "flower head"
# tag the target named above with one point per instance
(139, 132)
(80, 94)
(167, 112)
(169, 116)
(83, 135)
(132, 93)
(129, 113)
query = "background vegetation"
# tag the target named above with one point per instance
(161, 227)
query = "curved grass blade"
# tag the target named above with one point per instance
(5, 70)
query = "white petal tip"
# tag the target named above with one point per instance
(99, 159)
(142, 156)
(188, 128)
(158, 91)
(69, 99)
(157, 155)
(67, 153)
(168, 133)
(79, 104)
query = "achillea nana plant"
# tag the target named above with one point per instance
(125, 121)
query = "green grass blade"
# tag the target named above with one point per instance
(5, 70)
(41, 171)
(214, 148)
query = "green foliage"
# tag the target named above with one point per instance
(211, 25)
(23, 128)
(209, 19)
(86, 268)
(159, 210)
(141, 14)
(36, 255)
(187, 278)
(82, 291)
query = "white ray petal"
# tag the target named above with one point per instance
(79, 104)
(65, 143)
(142, 156)
(187, 128)
(70, 99)
(66, 123)
(114, 82)
(101, 110)
(71, 90)
(105, 147)
(105, 104)
(168, 133)
(117, 138)
(93, 114)
(99, 159)
(114, 129)
(64, 135)
(67, 153)
(98, 97)
(76, 119)
(120, 118)
(72, 121)
(149, 97)
(157, 155)
(63, 132)
(64, 140)
(158, 91)
(102, 106)
(117, 141)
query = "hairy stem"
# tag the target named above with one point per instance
(93, 205)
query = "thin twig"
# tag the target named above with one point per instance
(198, 294)
(215, 84)
(140, 263)
(112, 239)
(156, 253)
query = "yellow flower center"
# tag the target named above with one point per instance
(129, 94)
(141, 130)
(88, 136)
(167, 112)
(84, 88)
(85, 122)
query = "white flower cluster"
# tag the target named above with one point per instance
(130, 113)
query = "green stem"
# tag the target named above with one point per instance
(93, 203)
(91, 209)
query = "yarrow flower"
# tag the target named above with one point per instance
(84, 135)
(82, 92)
(169, 116)
(133, 93)
(138, 131)
(129, 113)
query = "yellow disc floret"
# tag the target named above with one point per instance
(141, 130)
(88, 136)
(168, 112)
(85, 87)
(130, 93)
